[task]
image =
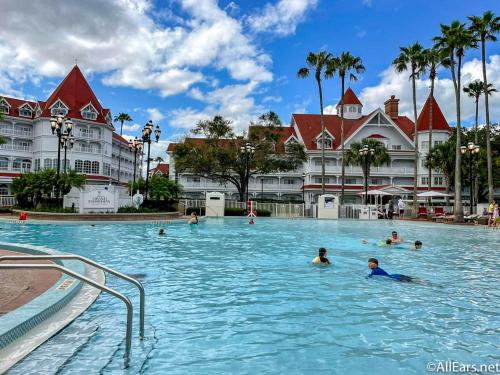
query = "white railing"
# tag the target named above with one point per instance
(7, 201)
(14, 147)
(276, 209)
(7, 131)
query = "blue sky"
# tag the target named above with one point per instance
(180, 61)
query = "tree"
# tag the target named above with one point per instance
(412, 57)
(455, 39)
(484, 29)
(69, 180)
(319, 63)
(162, 188)
(442, 158)
(137, 186)
(218, 156)
(432, 59)
(122, 117)
(380, 157)
(159, 159)
(475, 89)
(344, 65)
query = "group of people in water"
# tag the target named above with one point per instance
(395, 239)
(193, 223)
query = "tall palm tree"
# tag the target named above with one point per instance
(455, 39)
(475, 89)
(318, 63)
(484, 29)
(433, 58)
(159, 159)
(345, 64)
(412, 57)
(122, 117)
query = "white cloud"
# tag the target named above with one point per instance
(398, 84)
(273, 99)
(155, 115)
(281, 18)
(131, 128)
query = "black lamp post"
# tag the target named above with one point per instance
(366, 154)
(135, 146)
(247, 151)
(303, 186)
(67, 140)
(472, 150)
(56, 124)
(147, 132)
(262, 188)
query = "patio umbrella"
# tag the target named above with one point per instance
(433, 194)
(376, 192)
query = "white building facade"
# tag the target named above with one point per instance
(387, 126)
(31, 146)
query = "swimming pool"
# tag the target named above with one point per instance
(234, 298)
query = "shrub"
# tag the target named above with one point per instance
(234, 212)
(133, 210)
(263, 213)
(160, 205)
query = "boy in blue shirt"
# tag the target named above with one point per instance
(377, 271)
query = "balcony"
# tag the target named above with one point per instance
(385, 171)
(87, 135)
(15, 147)
(16, 133)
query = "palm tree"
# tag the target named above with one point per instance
(319, 63)
(433, 58)
(343, 65)
(122, 117)
(159, 159)
(484, 29)
(455, 39)
(475, 89)
(442, 158)
(412, 57)
(380, 157)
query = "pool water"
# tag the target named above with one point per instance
(233, 298)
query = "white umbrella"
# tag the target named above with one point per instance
(433, 194)
(376, 192)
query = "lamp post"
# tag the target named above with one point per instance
(366, 154)
(67, 140)
(262, 188)
(303, 185)
(56, 124)
(135, 146)
(147, 132)
(247, 151)
(472, 150)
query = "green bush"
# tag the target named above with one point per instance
(62, 210)
(5, 210)
(160, 205)
(234, 212)
(263, 213)
(133, 210)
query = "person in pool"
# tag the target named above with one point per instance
(377, 271)
(417, 246)
(321, 258)
(161, 232)
(395, 238)
(193, 219)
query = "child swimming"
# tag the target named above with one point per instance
(321, 258)
(377, 271)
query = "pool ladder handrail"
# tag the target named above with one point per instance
(128, 339)
(96, 265)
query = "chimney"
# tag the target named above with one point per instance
(391, 107)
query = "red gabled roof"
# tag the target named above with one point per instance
(119, 138)
(75, 92)
(15, 103)
(438, 120)
(161, 168)
(350, 98)
(405, 124)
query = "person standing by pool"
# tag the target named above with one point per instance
(401, 208)
(321, 258)
(377, 271)
(491, 209)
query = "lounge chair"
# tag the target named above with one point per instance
(422, 211)
(438, 211)
(471, 218)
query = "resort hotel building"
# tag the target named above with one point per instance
(92, 149)
(386, 125)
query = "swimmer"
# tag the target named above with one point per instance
(377, 271)
(321, 258)
(395, 238)
(385, 243)
(364, 242)
(417, 246)
(251, 221)
(161, 232)
(193, 219)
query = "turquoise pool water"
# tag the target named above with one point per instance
(234, 298)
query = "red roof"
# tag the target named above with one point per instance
(119, 138)
(75, 92)
(438, 120)
(161, 168)
(405, 124)
(350, 98)
(15, 104)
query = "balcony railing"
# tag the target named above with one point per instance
(16, 132)
(405, 171)
(14, 147)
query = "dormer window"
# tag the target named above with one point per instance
(4, 107)
(328, 140)
(25, 111)
(59, 109)
(89, 112)
(291, 141)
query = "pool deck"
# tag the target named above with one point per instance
(18, 288)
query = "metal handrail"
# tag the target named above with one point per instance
(128, 340)
(97, 265)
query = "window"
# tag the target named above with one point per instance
(106, 169)
(425, 180)
(89, 112)
(438, 143)
(25, 112)
(4, 189)
(396, 147)
(288, 181)
(4, 164)
(317, 180)
(194, 180)
(58, 108)
(425, 145)
(328, 143)
(377, 181)
(379, 119)
(422, 162)
(438, 181)
(47, 163)
(37, 165)
(268, 181)
(290, 142)
(350, 181)
(95, 167)
(87, 166)
(4, 107)
(79, 166)
(359, 109)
